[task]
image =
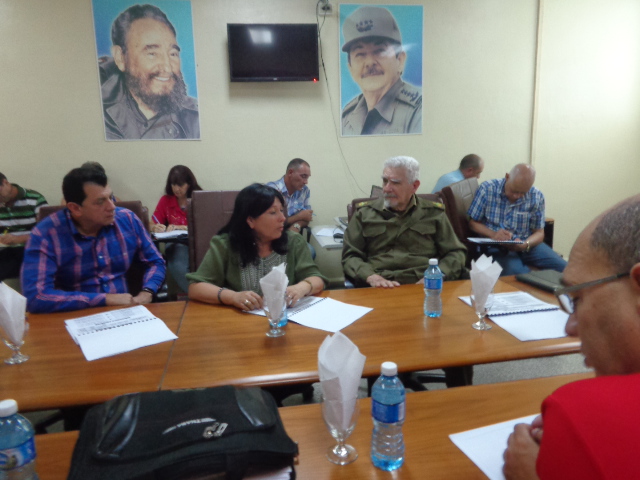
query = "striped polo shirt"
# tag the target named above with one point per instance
(20, 217)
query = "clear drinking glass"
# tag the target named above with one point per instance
(341, 418)
(482, 313)
(276, 323)
(17, 356)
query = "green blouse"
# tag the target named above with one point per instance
(221, 265)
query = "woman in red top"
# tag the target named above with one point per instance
(171, 214)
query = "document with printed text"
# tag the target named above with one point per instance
(117, 331)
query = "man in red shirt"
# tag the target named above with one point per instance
(588, 429)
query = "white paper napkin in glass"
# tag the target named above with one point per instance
(13, 307)
(484, 275)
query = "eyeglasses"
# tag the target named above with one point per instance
(566, 301)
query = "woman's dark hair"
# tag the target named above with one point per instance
(179, 175)
(252, 201)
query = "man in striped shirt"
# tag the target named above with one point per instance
(78, 257)
(18, 210)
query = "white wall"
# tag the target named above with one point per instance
(479, 96)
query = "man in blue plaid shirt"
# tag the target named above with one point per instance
(513, 209)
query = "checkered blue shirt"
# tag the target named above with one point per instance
(491, 207)
(297, 201)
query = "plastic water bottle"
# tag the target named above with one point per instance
(17, 448)
(432, 289)
(387, 411)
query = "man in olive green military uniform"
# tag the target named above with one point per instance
(387, 105)
(389, 241)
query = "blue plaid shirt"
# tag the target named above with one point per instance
(297, 201)
(65, 270)
(492, 208)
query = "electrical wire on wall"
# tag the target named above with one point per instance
(351, 179)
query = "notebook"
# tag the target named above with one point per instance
(547, 280)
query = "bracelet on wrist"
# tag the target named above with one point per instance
(310, 287)
(219, 297)
(148, 290)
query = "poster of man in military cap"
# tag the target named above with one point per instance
(381, 69)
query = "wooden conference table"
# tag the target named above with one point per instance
(57, 374)
(431, 418)
(220, 345)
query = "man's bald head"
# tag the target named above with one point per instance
(519, 181)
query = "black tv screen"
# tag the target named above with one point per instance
(273, 52)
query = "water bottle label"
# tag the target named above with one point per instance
(11, 458)
(388, 413)
(433, 283)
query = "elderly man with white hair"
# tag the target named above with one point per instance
(390, 240)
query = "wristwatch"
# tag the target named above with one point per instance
(297, 225)
(528, 246)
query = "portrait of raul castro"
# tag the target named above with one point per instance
(385, 103)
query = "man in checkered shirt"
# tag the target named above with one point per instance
(513, 209)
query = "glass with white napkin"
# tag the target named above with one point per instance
(340, 365)
(274, 287)
(484, 275)
(13, 308)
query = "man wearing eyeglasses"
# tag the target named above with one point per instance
(589, 429)
(511, 208)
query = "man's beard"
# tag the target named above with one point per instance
(159, 103)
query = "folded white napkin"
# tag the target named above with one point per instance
(13, 307)
(484, 275)
(340, 365)
(274, 284)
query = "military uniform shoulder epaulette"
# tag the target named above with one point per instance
(411, 95)
(349, 107)
(364, 203)
(432, 204)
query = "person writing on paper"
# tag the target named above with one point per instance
(247, 248)
(513, 209)
(171, 214)
(79, 256)
(589, 429)
(390, 240)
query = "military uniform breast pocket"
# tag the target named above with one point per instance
(373, 230)
(419, 238)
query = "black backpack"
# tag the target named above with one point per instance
(183, 434)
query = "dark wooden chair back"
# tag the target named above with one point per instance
(207, 212)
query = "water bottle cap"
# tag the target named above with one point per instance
(389, 369)
(433, 261)
(8, 407)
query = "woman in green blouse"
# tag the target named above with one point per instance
(247, 248)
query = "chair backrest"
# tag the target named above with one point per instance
(135, 275)
(207, 212)
(457, 199)
(359, 202)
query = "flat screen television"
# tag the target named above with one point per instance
(277, 52)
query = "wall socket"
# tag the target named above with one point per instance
(324, 9)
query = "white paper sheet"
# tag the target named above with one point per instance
(484, 446)
(488, 241)
(329, 231)
(110, 333)
(170, 235)
(533, 326)
(514, 302)
(323, 313)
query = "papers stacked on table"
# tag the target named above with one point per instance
(525, 317)
(110, 333)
